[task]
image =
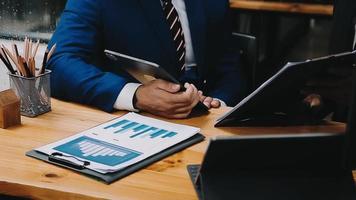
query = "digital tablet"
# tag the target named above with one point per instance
(267, 104)
(294, 166)
(142, 70)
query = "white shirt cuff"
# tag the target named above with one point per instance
(125, 99)
(222, 103)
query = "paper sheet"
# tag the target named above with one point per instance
(121, 142)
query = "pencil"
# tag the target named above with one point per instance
(22, 65)
(13, 59)
(27, 68)
(5, 56)
(2, 54)
(44, 63)
(29, 51)
(51, 51)
(36, 49)
(32, 66)
(7, 65)
(15, 52)
(26, 49)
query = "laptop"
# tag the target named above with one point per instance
(274, 102)
(278, 167)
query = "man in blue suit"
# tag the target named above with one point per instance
(189, 38)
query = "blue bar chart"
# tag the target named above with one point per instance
(139, 130)
(98, 151)
(120, 143)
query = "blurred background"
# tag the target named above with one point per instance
(282, 36)
(33, 18)
(284, 30)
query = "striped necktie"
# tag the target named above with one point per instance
(176, 31)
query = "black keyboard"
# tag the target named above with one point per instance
(193, 171)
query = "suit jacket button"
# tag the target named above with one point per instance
(204, 81)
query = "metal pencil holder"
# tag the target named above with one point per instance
(34, 92)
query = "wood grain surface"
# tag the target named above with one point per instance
(164, 180)
(287, 7)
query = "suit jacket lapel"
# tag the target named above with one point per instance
(197, 23)
(155, 16)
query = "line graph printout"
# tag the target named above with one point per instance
(121, 142)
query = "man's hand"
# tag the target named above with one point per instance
(314, 106)
(208, 101)
(313, 100)
(163, 98)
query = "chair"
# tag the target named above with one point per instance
(248, 50)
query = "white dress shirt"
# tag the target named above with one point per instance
(125, 99)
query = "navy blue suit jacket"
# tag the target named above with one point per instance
(81, 73)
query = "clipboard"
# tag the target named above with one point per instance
(111, 177)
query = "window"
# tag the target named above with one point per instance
(36, 19)
(33, 18)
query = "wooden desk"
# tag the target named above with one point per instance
(286, 7)
(167, 179)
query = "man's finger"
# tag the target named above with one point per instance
(180, 99)
(186, 96)
(181, 116)
(183, 110)
(186, 85)
(194, 95)
(200, 93)
(167, 86)
(207, 101)
(215, 103)
(202, 98)
(313, 100)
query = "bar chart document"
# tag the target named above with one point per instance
(121, 142)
